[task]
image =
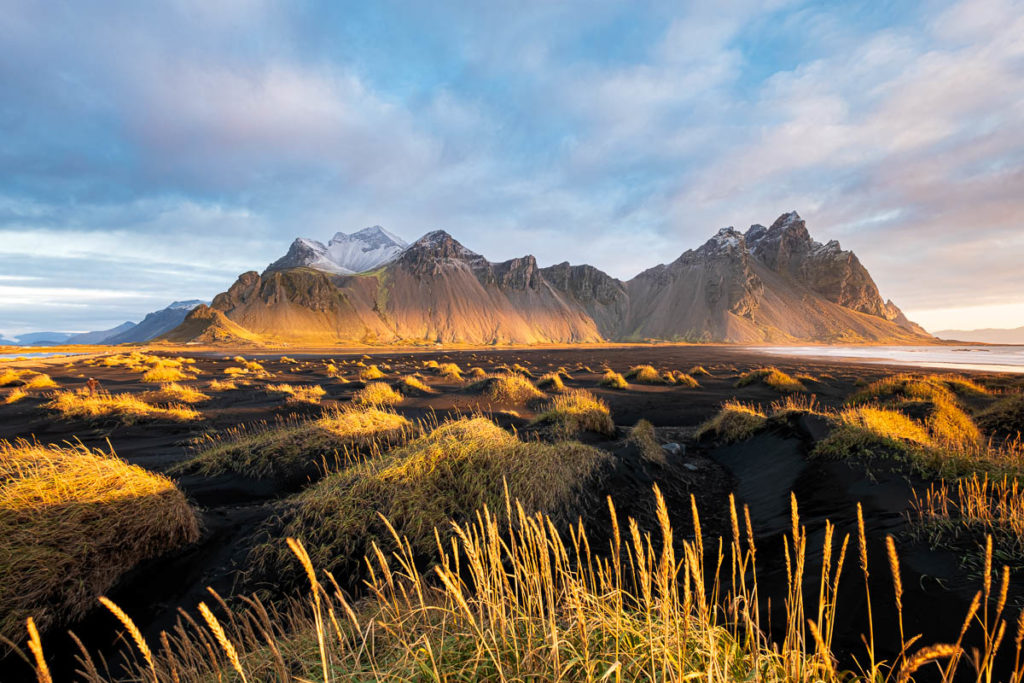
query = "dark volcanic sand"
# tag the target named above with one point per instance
(762, 471)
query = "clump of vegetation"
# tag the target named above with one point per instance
(223, 385)
(10, 376)
(735, 421)
(331, 370)
(40, 381)
(413, 385)
(370, 372)
(296, 448)
(450, 371)
(477, 372)
(972, 512)
(698, 371)
(246, 367)
(377, 394)
(126, 408)
(177, 393)
(72, 520)
(15, 395)
(577, 410)
(614, 380)
(288, 361)
(772, 377)
(551, 382)
(448, 473)
(684, 379)
(1004, 419)
(508, 388)
(642, 436)
(431, 364)
(298, 393)
(646, 374)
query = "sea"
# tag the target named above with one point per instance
(979, 358)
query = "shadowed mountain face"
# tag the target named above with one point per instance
(768, 285)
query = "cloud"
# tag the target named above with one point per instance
(176, 144)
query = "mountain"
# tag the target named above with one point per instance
(203, 325)
(41, 338)
(985, 336)
(100, 336)
(767, 285)
(155, 324)
(367, 249)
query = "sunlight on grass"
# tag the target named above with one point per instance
(574, 411)
(127, 408)
(377, 394)
(772, 377)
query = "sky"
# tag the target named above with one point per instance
(151, 152)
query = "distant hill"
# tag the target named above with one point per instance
(767, 285)
(100, 336)
(985, 336)
(156, 323)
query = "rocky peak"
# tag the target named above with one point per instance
(517, 273)
(369, 239)
(430, 252)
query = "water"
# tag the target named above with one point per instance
(36, 354)
(983, 358)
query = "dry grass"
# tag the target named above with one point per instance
(642, 436)
(126, 408)
(298, 393)
(647, 374)
(165, 373)
(551, 382)
(735, 421)
(177, 393)
(10, 376)
(297, 448)
(574, 411)
(698, 371)
(477, 372)
(685, 380)
(448, 473)
(223, 385)
(960, 515)
(450, 371)
(377, 394)
(411, 385)
(508, 388)
(1004, 419)
(509, 597)
(40, 381)
(15, 395)
(370, 373)
(72, 520)
(772, 377)
(614, 380)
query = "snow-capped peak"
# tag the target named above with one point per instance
(345, 254)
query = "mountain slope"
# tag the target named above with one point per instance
(768, 285)
(204, 325)
(100, 336)
(155, 323)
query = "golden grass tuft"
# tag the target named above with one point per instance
(614, 380)
(298, 393)
(698, 371)
(15, 395)
(642, 436)
(685, 380)
(298, 448)
(450, 371)
(72, 520)
(370, 372)
(177, 393)
(645, 374)
(448, 473)
(223, 385)
(411, 385)
(477, 372)
(735, 421)
(126, 408)
(288, 361)
(574, 411)
(552, 382)
(508, 388)
(772, 377)
(377, 394)
(10, 376)
(40, 381)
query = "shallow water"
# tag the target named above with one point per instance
(983, 358)
(37, 354)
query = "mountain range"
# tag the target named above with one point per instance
(766, 285)
(152, 326)
(1011, 336)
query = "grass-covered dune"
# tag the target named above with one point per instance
(72, 520)
(448, 473)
